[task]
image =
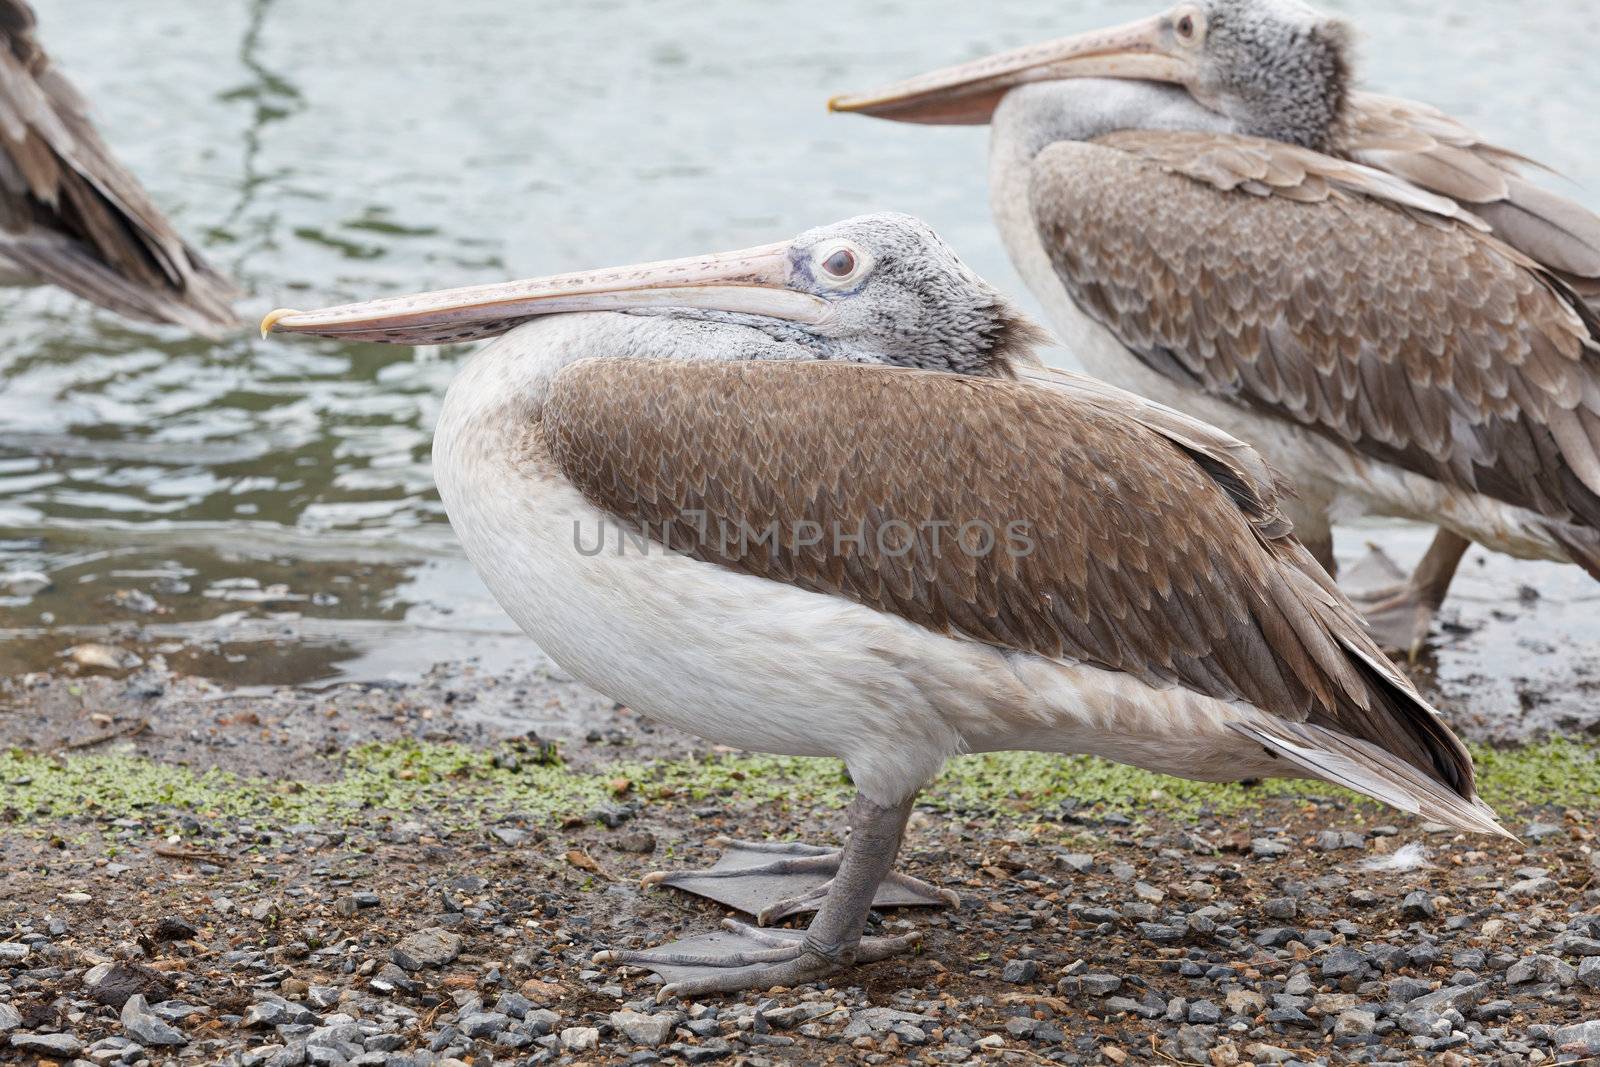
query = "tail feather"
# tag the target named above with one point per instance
(1582, 545)
(1367, 769)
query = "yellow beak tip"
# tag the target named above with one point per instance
(272, 318)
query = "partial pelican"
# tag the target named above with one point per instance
(820, 498)
(71, 216)
(1357, 285)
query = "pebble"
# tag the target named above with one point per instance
(1280, 908)
(172, 928)
(1018, 971)
(1582, 1038)
(1541, 968)
(542, 994)
(640, 841)
(1333, 840)
(1354, 1023)
(1244, 1002)
(484, 1023)
(1160, 933)
(25, 583)
(1575, 945)
(10, 1017)
(1460, 997)
(1405, 990)
(139, 1023)
(265, 1015)
(1417, 905)
(102, 657)
(580, 1038)
(541, 1021)
(433, 947)
(642, 1029)
(513, 1004)
(112, 984)
(1343, 961)
(1533, 887)
(1100, 985)
(53, 1044)
(875, 1020)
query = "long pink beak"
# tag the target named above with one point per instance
(968, 94)
(750, 281)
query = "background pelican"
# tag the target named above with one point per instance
(859, 380)
(71, 216)
(1359, 285)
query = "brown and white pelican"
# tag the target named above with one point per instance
(71, 216)
(1358, 285)
(820, 498)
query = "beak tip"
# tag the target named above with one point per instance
(270, 322)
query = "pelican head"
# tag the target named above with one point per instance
(1275, 68)
(881, 288)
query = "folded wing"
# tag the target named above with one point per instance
(1046, 516)
(1337, 297)
(1430, 149)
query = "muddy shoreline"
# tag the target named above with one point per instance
(417, 873)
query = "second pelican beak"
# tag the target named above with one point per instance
(752, 281)
(968, 94)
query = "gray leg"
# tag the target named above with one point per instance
(1400, 613)
(773, 880)
(744, 957)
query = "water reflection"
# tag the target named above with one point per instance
(272, 99)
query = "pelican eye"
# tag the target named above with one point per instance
(1189, 26)
(840, 264)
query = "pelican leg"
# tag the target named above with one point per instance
(773, 880)
(739, 956)
(1399, 614)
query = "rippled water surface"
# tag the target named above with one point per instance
(232, 495)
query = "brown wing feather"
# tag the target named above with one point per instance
(1409, 337)
(1141, 556)
(70, 215)
(1445, 156)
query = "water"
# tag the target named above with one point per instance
(266, 507)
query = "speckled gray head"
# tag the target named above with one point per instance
(1273, 68)
(1278, 68)
(881, 288)
(899, 294)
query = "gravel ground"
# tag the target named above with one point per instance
(453, 927)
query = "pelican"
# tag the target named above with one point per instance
(1359, 286)
(71, 216)
(821, 498)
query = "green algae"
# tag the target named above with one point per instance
(392, 779)
(460, 785)
(1558, 772)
